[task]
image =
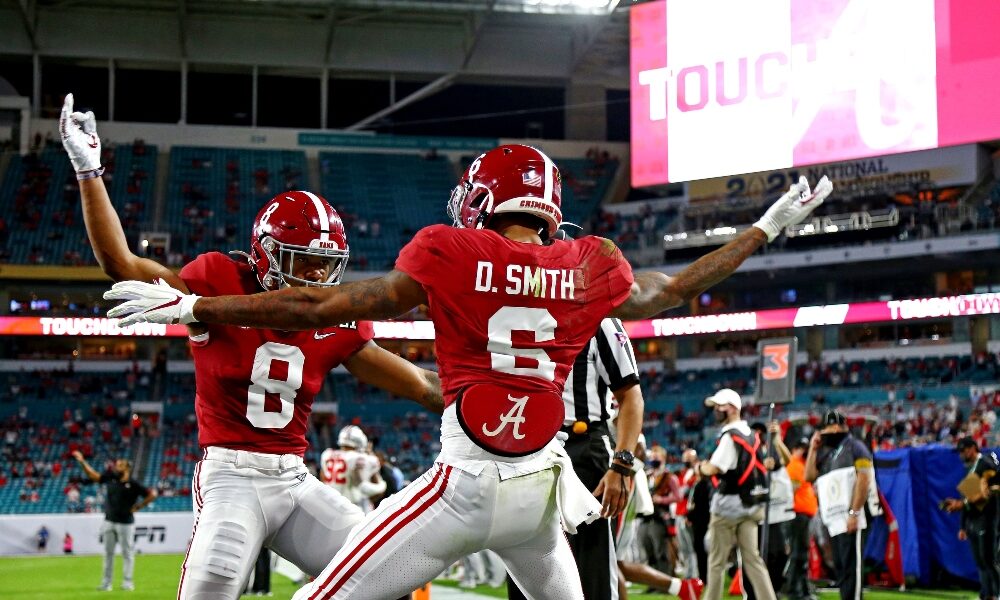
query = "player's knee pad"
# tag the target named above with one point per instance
(228, 546)
(228, 549)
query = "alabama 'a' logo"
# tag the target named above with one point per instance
(775, 362)
(509, 423)
(514, 418)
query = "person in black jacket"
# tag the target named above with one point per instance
(979, 516)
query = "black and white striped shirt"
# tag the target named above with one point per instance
(605, 365)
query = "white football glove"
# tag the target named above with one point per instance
(79, 137)
(150, 303)
(794, 206)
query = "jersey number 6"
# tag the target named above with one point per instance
(503, 354)
(263, 383)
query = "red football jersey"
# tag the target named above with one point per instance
(255, 387)
(508, 313)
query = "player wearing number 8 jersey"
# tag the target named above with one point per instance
(511, 312)
(254, 387)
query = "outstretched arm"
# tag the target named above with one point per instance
(290, 309)
(654, 292)
(382, 297)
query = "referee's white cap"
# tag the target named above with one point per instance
(725, 396)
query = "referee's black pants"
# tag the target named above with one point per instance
(847, 561)
(592, 545)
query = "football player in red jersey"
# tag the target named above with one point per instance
(511, 312)
(255, 387)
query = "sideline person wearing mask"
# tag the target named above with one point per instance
(733, 523)
(841, 467)
(979, 516)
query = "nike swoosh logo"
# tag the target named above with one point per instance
(176, 300)
(317, 335)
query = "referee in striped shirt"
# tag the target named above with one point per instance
(603, 370)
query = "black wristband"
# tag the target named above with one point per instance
(621, 470)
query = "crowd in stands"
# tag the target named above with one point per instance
(45, 415)
(43, 202)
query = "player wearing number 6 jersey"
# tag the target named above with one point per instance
(254, 387)
(511, 312)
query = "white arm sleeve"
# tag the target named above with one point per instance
(369, 488)
(724, 456)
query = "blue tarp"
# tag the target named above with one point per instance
(914, 481)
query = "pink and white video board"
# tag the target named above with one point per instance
(722, 87)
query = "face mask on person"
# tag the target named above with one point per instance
(834, 439)
(655, 464)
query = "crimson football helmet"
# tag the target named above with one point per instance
(512, 179)
(293, 225)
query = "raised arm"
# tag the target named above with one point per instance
(812, 471)
(104, 229)
(654, 292)
(90, 472)
(289, 309)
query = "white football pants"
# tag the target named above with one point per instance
(444, 515)
(245, 500)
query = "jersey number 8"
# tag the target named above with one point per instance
(263, 383)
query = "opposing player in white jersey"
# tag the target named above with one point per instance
(351, 470)
(511, 312)
(254, 387)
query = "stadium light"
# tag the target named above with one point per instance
(562, 6)
(552, 7)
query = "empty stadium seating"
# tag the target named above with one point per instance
(384, 199)
(42, 212)
(213, 194)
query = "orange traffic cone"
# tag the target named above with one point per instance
(422, 593)
(736, 587)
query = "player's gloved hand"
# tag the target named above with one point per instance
(794, 206)
(79, 137)
(150, 303)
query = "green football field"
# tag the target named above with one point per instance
(77, 577)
